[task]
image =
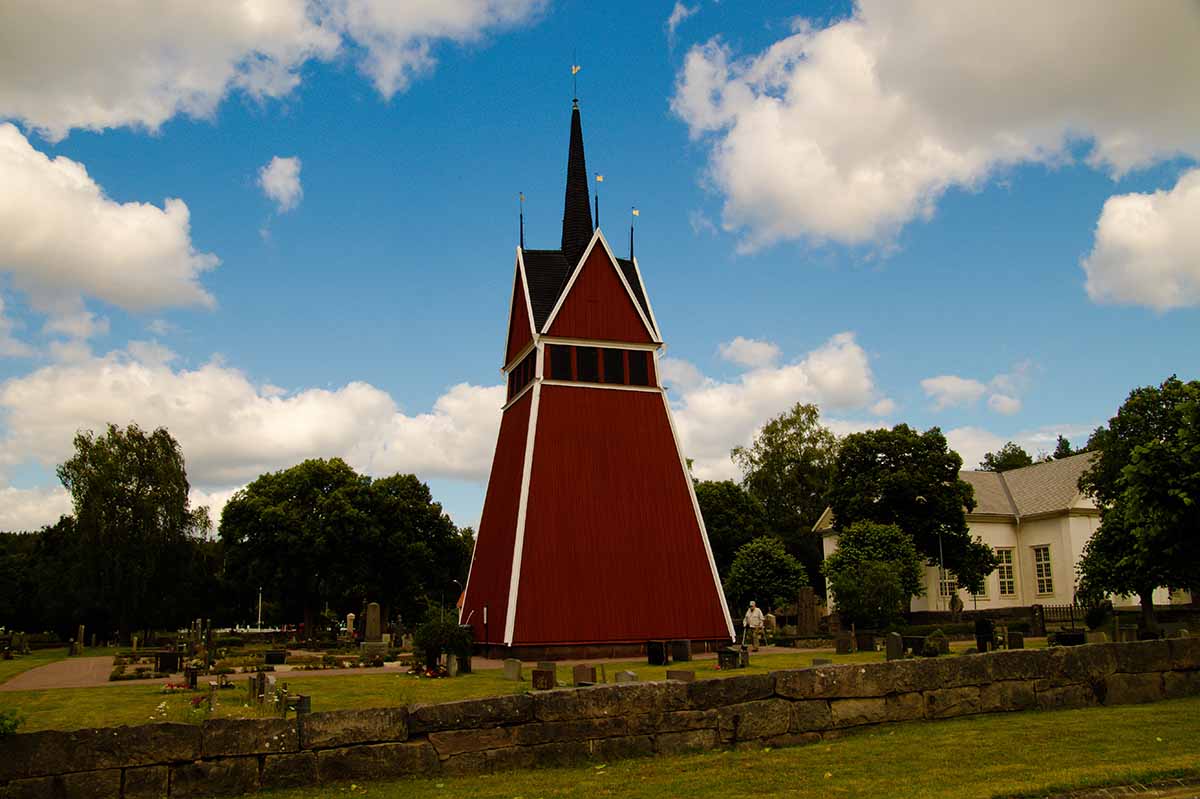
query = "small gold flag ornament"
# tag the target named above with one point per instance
(635, 212)
(575, 69)
(599, 178)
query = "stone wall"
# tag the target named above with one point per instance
(566, 726)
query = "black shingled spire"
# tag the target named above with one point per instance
(577, 210)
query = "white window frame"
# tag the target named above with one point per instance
(1006, 567)
(947, 584)
(1043, 572)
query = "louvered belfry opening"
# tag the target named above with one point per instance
(577, 208)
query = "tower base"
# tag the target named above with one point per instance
(584, 651)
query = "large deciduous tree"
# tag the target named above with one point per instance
(764, 571)
(1145, 479)
(732, 517)
(789, 468)
(321, 534)
(1010, 456)
(910, 479)
(133, 527)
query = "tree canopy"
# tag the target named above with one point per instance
(1010, 456)
(910, 479)
(789, 468)
(763, 571)
(870, 542)
(1145, 479)
(133, 530)
(320, 534)
(732, 517)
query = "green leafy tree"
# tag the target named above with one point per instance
(869, 595)
(764, 571)
(1062, 449)
(870, 542)
(789, 468)
(1010, 456)
(1145, 479)
(732, 517)
(910, 479)
(134, 526)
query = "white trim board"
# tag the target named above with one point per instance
(519, 271)
(514, 579)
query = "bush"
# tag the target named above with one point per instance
(440, 633)
(869, 594)
(763, 571)
(9, 721)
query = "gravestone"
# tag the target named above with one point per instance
(451, 666)
(658, 653)
(844, 643)
(681, 651)
(729, 658)
(464, 663)
(626, 676)
(1037, 620)
(583, 675)
(374, 632)
(350, 617)
(985, 634)
(133, 641)
(93, 640)
(80, 638)
(544, 679)
(808, 613)
(512, 669)
(822, 662)
(895, 646)
(681, 675)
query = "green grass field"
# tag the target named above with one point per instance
(1033, 753)
(141, 702)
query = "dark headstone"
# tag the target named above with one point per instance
(844, 643)
(808, 612)
(544, 679)
(583, 675)
(985, 631)
(275, 657)
(822, 661)
(895, 646)
(864, 642)
(658, 653)
(1037, 620)
(729, 658)
(464, 663)
(1016, 640)
(681, 675)
(374, 630)
(681, 651)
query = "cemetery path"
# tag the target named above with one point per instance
(76, 672)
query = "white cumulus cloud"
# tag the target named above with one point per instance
(948, 391)
(1003, 403)
(27, 509)
(1147, 248)
(749, 352)
(849, 132)
(679, 13)
(280, 181)
(61, 236)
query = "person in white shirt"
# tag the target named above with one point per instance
(754, 626)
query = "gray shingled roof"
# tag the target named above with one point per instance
(990, 496)
(1046, 487)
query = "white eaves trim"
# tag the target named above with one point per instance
(519, 272)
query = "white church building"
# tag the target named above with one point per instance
(1037, 521)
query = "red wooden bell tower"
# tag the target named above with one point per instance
(591, 540)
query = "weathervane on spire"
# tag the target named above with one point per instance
(575, 81)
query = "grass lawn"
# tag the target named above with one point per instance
(1029, 754)
(139, 703)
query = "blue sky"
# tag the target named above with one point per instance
(885, 211)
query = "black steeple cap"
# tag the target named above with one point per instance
(577, 210)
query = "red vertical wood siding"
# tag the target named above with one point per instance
(519, 326)
(598, 306)
(612, 549)
(491, 568)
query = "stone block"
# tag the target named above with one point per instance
(1053, 697)
(467, 763)
(842, 682)
(754, 720)
(706, 694)
(513, 757)
(1178, 684)
(37, 754)
(147, 782)
(82, 785)
(376, 762)
(905, 707)
(609, 700)
(622, 748)
(230, 737)
(456, 742)
(822, 661)
(962, 671)
(1001, 697)
(949, 702)
(681, 675)
(490, 712)
(894, 648)
(581, 730)
(683, 720)
(228, 776)
(1142, 656)
(1019, 664)
(626, 676)
(1085, 663)
(675, 743)
(853, 712)
(545, 679)
(1184, 652)
(512, 669)
(289, 771)
(349, 727)
(810, 715)
(1128, 689)
(583, 674)
(1096, 637)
